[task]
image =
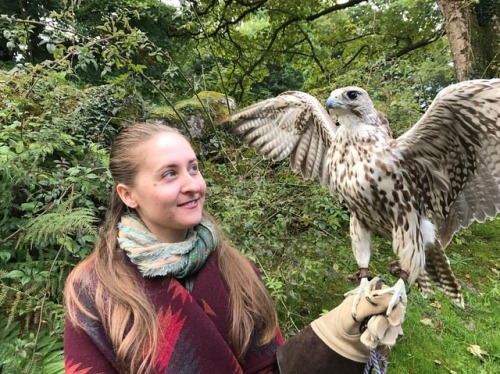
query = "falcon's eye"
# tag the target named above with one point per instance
(352, 95)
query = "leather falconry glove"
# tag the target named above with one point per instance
(338, 343)
(372, 329)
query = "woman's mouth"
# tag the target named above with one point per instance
(190, 204)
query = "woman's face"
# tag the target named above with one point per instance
(169, 190)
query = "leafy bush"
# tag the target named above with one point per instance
(54, 185)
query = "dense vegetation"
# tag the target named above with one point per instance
(72, 73)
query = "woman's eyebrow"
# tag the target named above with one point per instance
(174, 165)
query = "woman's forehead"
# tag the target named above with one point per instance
(166, 145)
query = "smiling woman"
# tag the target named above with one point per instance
(164, 292)
(158, 243)
(168, 192)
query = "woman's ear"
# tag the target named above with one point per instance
(126, 195)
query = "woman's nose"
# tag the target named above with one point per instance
(191, 183)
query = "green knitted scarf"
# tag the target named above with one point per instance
(154, 258)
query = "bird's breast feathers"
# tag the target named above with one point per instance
(368, 174)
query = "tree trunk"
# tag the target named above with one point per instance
(458, 29)
(486, 39)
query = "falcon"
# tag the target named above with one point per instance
(417, 189)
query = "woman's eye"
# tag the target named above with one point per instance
(194, 168)
(169, 174)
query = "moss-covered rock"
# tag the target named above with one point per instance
(207, 107)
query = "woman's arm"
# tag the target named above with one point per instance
(82, 353)
(306, 353)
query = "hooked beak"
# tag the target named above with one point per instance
(334, 102)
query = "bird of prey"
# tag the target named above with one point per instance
(418, 189)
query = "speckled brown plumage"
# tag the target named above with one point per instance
(418, 189)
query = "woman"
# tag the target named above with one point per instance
(164, 292)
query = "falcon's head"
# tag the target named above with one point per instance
(352, 104)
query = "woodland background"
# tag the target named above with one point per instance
(73, 72)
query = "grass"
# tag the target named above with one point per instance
(298, 236)
(442, 338)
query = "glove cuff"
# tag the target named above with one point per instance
(329, 329)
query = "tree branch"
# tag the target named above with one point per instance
(417, 45)
(274, 36)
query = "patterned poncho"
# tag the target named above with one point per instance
(195, 329)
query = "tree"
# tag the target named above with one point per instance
(326, 41)
(457, 25)
(35, 10)
(486, 39)
(473, 29)
(251, 35)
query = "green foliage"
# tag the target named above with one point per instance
(54, 185)
(29, 353)
(59, 224)
(29, 38)
(323, 45)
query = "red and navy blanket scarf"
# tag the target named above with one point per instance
(195, 330)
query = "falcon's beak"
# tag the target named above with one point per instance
(333, 102)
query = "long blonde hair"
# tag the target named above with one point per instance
(126, 313)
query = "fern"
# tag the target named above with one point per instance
(51, 348)
(8, 337)
(22, 353)
(59, 224)
(30, 331)
(19, 304)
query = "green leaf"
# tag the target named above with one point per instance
(28, 207)
(51, 48)
(5, 255)
(19, 147)
(16, 274)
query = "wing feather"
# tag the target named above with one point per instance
(453, 152)
(292, 124)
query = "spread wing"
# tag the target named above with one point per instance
(293, 123)
(453, 154)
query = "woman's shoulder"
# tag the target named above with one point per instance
(82, 276)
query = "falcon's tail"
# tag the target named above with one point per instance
(437, 269)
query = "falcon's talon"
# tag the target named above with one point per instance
(370, 301)
(364, 273)
(365, 287)
(398, 292)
